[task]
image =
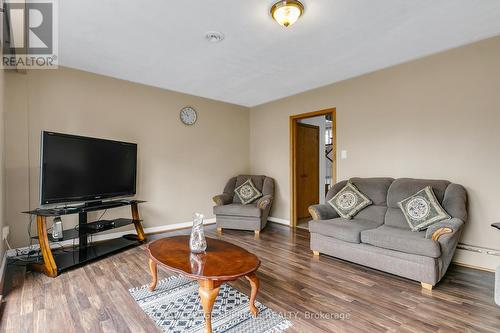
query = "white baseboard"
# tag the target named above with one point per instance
(278, 220)
(166, 227)
(182, 225)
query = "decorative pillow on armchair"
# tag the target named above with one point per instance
(247, 192)
(349, 201)
(422, 209)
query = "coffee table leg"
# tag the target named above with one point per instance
(154, 274)
(254, 283)
(208, 293)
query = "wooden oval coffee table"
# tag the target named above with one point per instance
(221, 262)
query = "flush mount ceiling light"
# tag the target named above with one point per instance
(287, 12)
(214, 36)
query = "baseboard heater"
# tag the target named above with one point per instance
(478, 249)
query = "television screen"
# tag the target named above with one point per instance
(76, 168)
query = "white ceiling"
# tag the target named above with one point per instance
(161, 42)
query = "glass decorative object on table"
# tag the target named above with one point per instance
(197, 261)
(197, 241)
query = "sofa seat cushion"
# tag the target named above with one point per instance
(345, 230)
(250, 210)
(404, 240)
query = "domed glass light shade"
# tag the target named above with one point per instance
(287, 12)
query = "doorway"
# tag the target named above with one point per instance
(307, 168)
(312, 161)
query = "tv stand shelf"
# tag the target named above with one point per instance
(67, 210)
(69, 234)
(69, 258)
(55, 261)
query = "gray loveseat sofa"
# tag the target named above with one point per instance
(379, 236)
(230, 213)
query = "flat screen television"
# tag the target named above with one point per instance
(79, 169)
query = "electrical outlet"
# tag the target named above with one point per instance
(5, 232)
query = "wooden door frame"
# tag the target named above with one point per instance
(293, 155)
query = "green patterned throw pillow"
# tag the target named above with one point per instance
(349, 201)
(422, 209)
(247, 192)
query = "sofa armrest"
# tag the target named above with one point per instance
(447, 227)
(447, 234)
(222, 199)
(322, 212)
(265, 201)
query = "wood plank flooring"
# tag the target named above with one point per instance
(319, 294)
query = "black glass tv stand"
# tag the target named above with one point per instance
(56, 261)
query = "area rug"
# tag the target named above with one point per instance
(176, 307)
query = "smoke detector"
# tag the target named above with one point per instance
(214, 36)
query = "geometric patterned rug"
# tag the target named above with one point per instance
(176, 307)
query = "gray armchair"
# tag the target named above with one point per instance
(230, 213)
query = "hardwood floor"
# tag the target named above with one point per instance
(95, 298)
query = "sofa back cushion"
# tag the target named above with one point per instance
(335, 189)
(375, 189)
(403, 188)
(455, 201)
(387, 192)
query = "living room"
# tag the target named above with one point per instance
(206, 97)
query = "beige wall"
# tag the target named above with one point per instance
(180, 168)
(2, 147)
(437, 117)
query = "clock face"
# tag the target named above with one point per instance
(188, 115)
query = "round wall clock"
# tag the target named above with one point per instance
(188, 115)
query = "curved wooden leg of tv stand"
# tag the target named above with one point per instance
(49, 266)
(137, 223)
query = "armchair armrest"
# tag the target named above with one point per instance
(265, 201)
(447, 227)
(222, 199)
(322, 212)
